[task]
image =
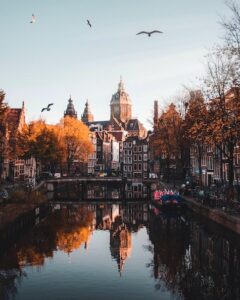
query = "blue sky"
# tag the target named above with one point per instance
(60, 55)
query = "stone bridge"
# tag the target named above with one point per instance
(87, 188)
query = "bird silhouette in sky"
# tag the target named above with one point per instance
(33, 19)
(48, 108)
(89, 23)
(149, 33)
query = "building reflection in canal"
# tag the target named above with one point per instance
(199, 261)
(189, 259)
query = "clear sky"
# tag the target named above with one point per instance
(60, 55)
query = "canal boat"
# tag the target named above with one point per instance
(168, 200)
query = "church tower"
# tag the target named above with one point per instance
(121, 105)
(70, 111)
(87, 116)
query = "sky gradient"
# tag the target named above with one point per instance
(60, 55)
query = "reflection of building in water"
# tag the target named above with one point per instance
(135, 215)
(217, 258)
(121, 220)
(106, 215)
(120, 242)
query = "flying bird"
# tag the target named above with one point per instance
(149, 33)
(48, 108)
(33, 19)
(89, 24)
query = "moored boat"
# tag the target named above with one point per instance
(168, 200)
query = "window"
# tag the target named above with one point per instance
(135, 157)
(21, 169)
(139, 148)
(130, 145)
(145, 157)
(139, 167)
(129, 168)
(145, 167)
(210, 163)
(129, 152)
(135, 167)
(135, 148)
(140, 157)
(145, 148)
(237, 159)
(125, 168)
(129, 160)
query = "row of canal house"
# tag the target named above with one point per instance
(13, 168)
(109, 137)
(120, 143)
(214, 164)
(214, 161)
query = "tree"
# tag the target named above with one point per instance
(168, 139)
(40, 141)
(195, 124)
(3, 130)
(74, 137)
(223, 106)
(232, 28)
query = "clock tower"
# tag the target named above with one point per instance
(121, 105)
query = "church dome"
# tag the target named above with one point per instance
(121, 96)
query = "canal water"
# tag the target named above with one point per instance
(116, 251)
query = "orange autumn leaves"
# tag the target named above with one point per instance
(55, 144)
(67, 230)
(168, 138)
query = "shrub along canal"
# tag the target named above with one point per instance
(120, 251)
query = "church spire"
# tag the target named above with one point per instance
(87, 116)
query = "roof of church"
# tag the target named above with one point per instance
(103, 123)
(119, 129)
(134, 124)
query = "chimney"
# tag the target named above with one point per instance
(156, 115)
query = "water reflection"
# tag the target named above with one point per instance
(184, 257)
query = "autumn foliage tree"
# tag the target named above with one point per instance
(40, 141)
(168, 141)
(74, 138)
(195, 126)
(55, 145)
(222, 92)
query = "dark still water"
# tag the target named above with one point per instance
(115, 251)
